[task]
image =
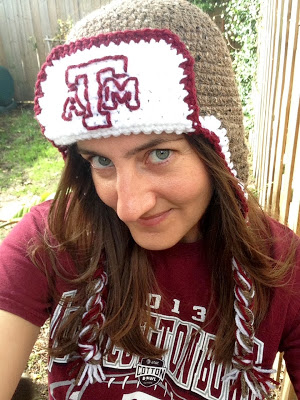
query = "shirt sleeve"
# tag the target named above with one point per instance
(24, 289)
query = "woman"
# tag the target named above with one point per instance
(161, 277)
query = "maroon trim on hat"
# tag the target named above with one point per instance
(146, 35)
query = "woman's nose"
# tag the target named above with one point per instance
(135, 194)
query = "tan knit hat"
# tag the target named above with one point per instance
(216, 88)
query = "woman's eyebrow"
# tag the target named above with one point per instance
(151, 143)
(86, 151)
(132, 152)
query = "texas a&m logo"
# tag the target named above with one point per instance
(97, 88)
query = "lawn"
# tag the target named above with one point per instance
(29, 170)
(29, 165)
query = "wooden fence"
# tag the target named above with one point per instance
(25, 29)
(275, 141)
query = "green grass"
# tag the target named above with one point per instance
(29, 167)
(29, 164)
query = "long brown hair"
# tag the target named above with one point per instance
(89, 231)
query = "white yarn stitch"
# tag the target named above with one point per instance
(211, 123)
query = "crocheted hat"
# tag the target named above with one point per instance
(216, 91)
(143, 66)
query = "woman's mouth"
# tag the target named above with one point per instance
(155, 219)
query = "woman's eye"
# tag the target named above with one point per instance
(159, 155)
(99, 162)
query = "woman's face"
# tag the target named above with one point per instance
(156, 184)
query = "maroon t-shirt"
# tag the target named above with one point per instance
(187, 370)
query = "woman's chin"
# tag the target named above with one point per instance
(156, 241)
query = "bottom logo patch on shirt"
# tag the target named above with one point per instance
(150, 372)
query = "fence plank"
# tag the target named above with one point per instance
(37, 39)
(278, 140)
(260, 110)
(294, 214)
(283, 113)
(75, 14)
(3, 61)
(16, 64)
(4, 58)
(86, 7)
(52, 15)
(263, 104)
(276, 84)
(46, 30)
(292, 107)
(269, 104)
(69, 10)
(28, 43)
(293, 217)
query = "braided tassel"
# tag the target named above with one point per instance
(89, 343)
(245, 374)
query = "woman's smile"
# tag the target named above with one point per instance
(157, 185)
(154, 219)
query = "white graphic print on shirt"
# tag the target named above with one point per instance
(187, 366)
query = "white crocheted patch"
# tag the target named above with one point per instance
(114, 89)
